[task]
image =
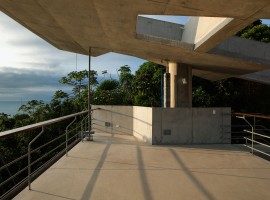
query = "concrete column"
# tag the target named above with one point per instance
(180, 85)
(166, 90)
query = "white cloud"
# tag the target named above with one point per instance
(26, 61)
(22, 49)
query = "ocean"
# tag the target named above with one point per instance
(10, 107)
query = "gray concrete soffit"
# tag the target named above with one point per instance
(161, 32)
(261, 77)
(244, 49)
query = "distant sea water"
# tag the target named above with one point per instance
(10, 107)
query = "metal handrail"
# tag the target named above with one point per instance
(252, 132)
(257, 142)
(14, 161)
(252, 129)
(40, 124)
(253, 115)
(257, 134)
(43, 125)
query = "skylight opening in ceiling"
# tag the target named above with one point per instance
(168, 18)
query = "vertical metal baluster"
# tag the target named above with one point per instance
(29, 157)
(67, 134)
(82, 129)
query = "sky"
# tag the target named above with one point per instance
(30, 68)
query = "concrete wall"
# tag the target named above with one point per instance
(211, 125)
(142, 123)
(191, 125)
(177, 121)
(166, 125)
(119, 117)
(131, 120)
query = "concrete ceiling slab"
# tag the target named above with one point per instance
(110, 26)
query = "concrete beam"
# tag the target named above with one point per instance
(158, 28)
(261, 77)
(244, 49)
(161, 32)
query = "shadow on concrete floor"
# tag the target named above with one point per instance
(143, 178)
(195, 181)
(91, 184)
(52, 195)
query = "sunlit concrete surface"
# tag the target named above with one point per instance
(119, 167)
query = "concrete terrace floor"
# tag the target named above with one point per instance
(119, 167)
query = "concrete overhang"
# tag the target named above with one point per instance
(110, 26)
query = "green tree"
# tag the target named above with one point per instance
(61, 104)
(125, 80)
(147, 85)
(79, 81)
(256, 31)
(6, 122)
(239, 94)
(31, 106)
(108, 93)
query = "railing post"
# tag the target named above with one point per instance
(82, 129)
(67, 134)
(252, 140)
(85, 123)
(89, 89)
(253, 130)
(29, 157)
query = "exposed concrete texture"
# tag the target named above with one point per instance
(143, 123)
(166, 125)
(206, 28)
(180, 85)
(211, 125)
(190, 30)
(199, 29)
(157, 28)
(192, 125)
(113, 119)
(161, 32)
(178, 121)
(131, 120)
(117, 167)
(241, 48)
(249, 50)
(166, 90)
(110, 26)
(173, 84)
(262, 77)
